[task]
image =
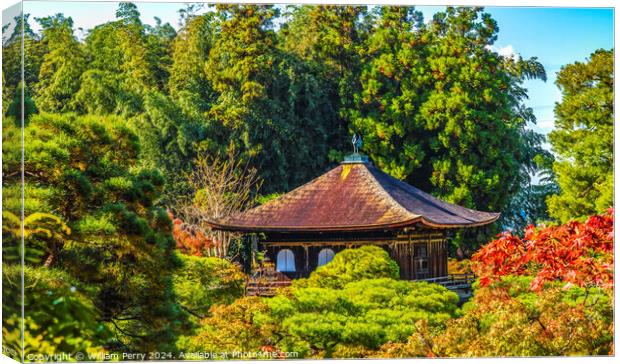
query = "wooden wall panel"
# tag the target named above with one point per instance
(401, 249)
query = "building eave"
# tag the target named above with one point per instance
(419, 220)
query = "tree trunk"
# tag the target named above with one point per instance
(50, 259)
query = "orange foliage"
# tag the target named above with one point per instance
(190, 242)
(576, 253)
(459, 266)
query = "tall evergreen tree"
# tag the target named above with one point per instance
(475, 108)
(583, 138)
(240, 67)
(63, 64)
(442, 111)
(121, 69)
(265, 102)
(330, 38)
(84, 170)
(159, 39)
(395, 78)
(190, 51)
(33, 52)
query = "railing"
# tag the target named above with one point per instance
(453, 281)
(267, 285)
(264, 288)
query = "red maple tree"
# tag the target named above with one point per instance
(576, 253)
(191, 242)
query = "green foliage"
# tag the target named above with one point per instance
(62, 66)
(231, 328)
(439, 109)
(11, 195)
(168, 138)
(231, 88)
(14, 109)
(99, 93)
(159, 41)
(128, 13)
(529, 206)
(326, 318)
(203, 282)
(12, 83)
(393, 79)
(364, 313)
(352, 265)
(125, 63)
(508, 319)
(287, 100)
(60, 316)
(583, 138)
(330, 39)
(190, 51)
(262, 199)
(355, 304)
(174, 126)
(84, 168)
(270, 105)
(239, 66)
(40, 230)
(33, 52)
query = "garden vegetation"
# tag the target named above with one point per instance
(135, 134)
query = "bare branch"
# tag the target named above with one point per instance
(220, 187)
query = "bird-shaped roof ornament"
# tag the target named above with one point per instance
(357, 143)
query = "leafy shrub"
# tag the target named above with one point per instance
(354, 304)
(59, 318)
(352, 265)
(360, 317)
(188, 242)
(337, 312)
(459, 266)
(203, 282)
(506, 318)
(550, 293)
(231, 328)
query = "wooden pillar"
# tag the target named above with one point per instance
(307, 259)
(254, 250)
(444, 255)
(409, 252)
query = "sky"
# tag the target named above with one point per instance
(556, 36)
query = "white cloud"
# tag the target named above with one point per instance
(507, 51)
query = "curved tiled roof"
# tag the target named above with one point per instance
(353, 197)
